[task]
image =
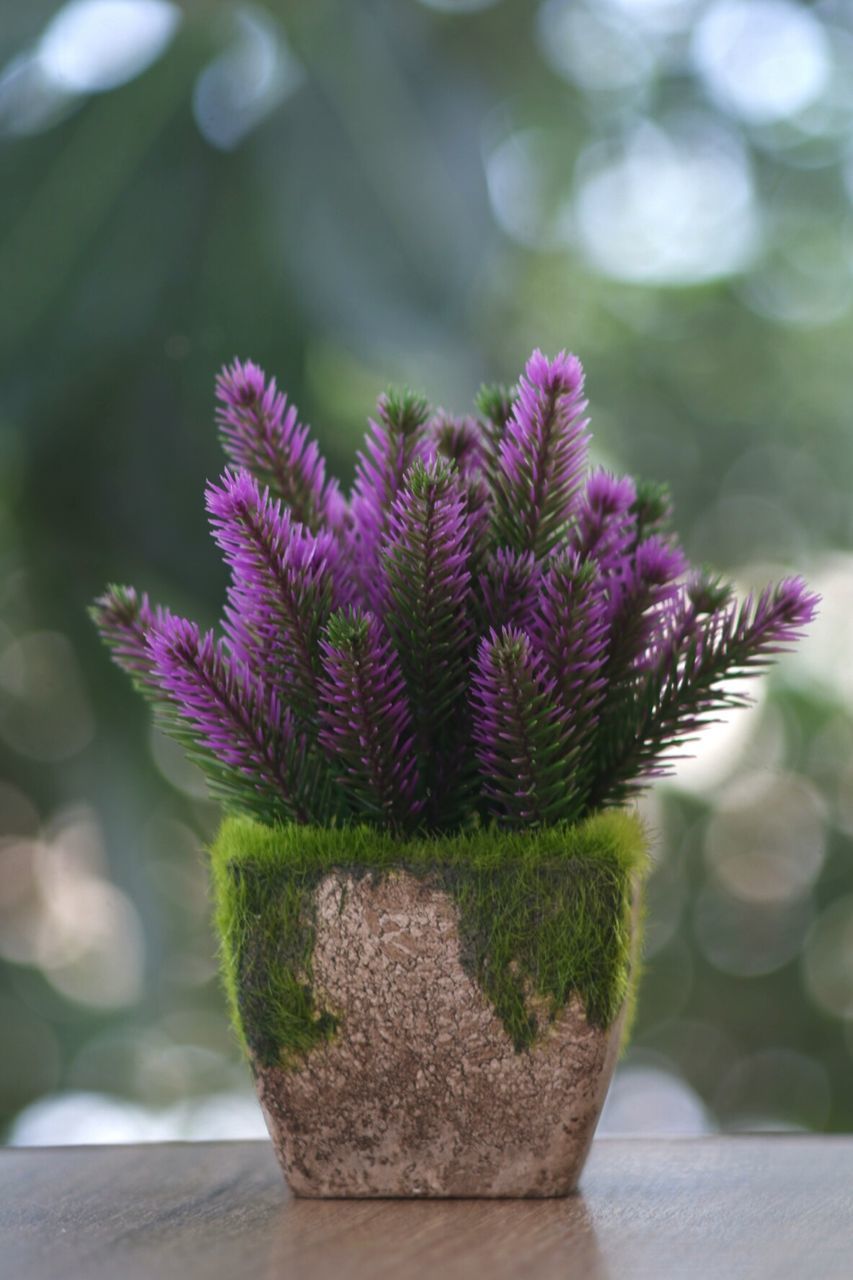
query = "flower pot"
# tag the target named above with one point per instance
(435, 1018)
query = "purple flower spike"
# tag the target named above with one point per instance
(231, 716)
(658, 563)
(284, 587)
(542, 455)
(463, 442)
(395, 439)
(459, 440)
(686, 690)
(519, 732)
(571, 631)
(483, 633)
(509, 586)
(640, 599)
(262, 434)
(365, 723)
(605, 527)
(125, 621)
(775, 620)
(681, 623)
(427, 595)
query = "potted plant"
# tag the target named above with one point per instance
(424, 719)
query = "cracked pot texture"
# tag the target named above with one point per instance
(407, 1074)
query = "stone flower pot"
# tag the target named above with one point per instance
(432, 1018)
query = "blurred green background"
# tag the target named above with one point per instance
(354, 193)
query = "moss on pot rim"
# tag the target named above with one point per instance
(545, 913)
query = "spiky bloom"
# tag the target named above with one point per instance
(463, 442)
(263, 434)
(395, 438)
(460, 441)
(688, 689)
(284, 587)
(638, 601)
(125, 620)
(599, 649)
(542, 455)
(519, 732)
(604, 522)
(571, 631)
(428, 596)
(509, 585)
(478, 506)
(701, 595)
(365, 724)
(234, 720)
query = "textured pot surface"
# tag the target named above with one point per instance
(421, 1092)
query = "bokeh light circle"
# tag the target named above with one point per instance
(761, 60)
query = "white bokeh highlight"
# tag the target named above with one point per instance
(761, 60)
(669, 207)
(95, 45)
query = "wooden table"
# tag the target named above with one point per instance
(731, 1208)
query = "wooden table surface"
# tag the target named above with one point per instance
(731, 1208)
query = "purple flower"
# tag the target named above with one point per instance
(771, 622)
(687, 687)
(639, 597)
(232, 716)
(680, 620)
(604, 524)
(464, 442)
(509, 585)
(125, 620)
(657, 563)
(395, 439)
(285, 583)
(365, 723)
(262, 434)
(519, 731)
(459, 440)
(571, 631)
(427, 596)
(542, 455)
(483, 633)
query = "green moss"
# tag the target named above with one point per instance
(543, 914)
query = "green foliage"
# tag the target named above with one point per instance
(403, 411)
(493, 403)
(543, 915)
(652, 508)
(306, 777)
(264, 923)
(390, 449)
(681, 695)
(347, 629)
(573, 639)
(366, 724)
(708, 592)
(526, 745)
(428, 613)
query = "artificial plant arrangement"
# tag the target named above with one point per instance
(426, 712)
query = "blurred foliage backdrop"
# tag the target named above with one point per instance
(362, 191)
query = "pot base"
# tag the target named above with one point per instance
(421, 1092)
